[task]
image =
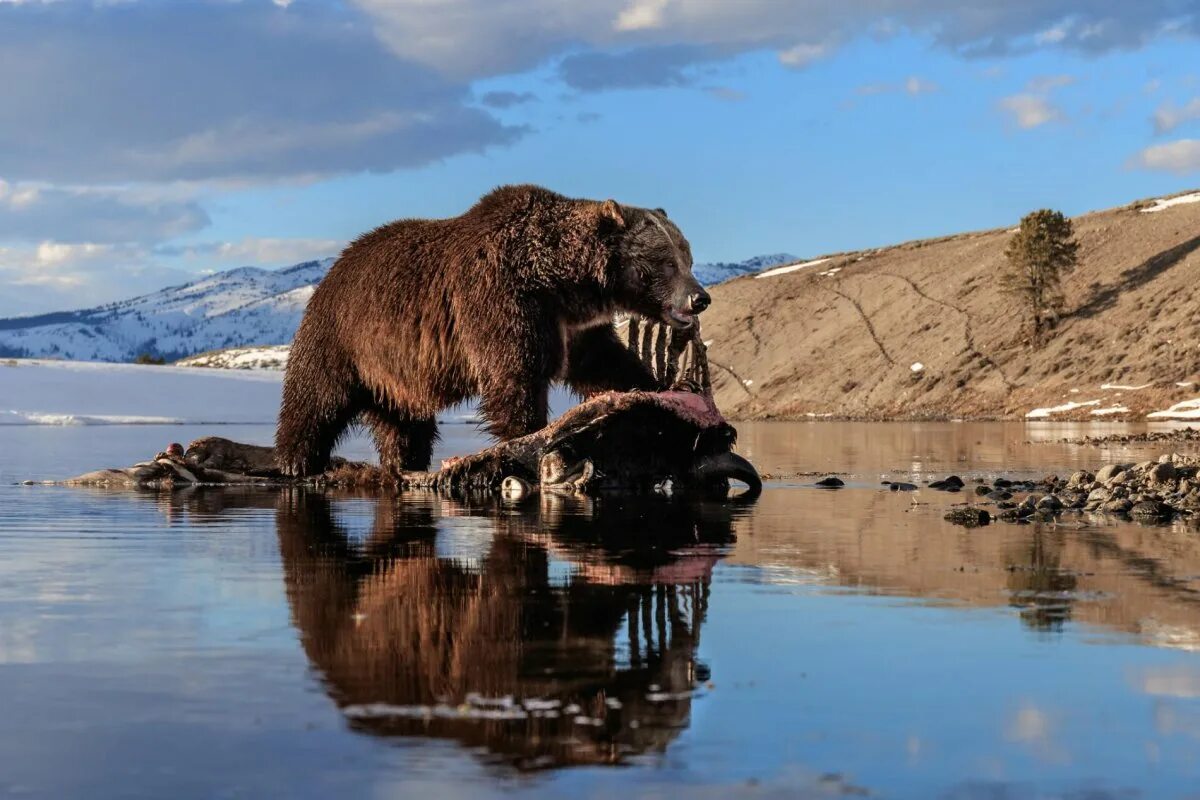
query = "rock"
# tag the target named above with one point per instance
(1118, 479)
(968, 517)
(899, 486)
(1148, 509)
(1074, 499)
(1081, 479)
(1050, 503)
(950, 484)
(982, 490)
(1163, 473)
(1108, 472)
(1002, 483)
(1118, 506)
(831, 483)
(1098, 496)
(1006, 504)
(999, 494)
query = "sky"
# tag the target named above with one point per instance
(145, 142)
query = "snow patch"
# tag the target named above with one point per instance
(1102, 412)
(269, 357)
(917, 367)
(790, 268)
(1162, 203)
(1122, 387)
(1186, 409)
(1042, 413)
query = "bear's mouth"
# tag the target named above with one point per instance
(679, 319)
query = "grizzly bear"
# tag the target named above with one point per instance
(518, 292)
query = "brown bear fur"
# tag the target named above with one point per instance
(419, 315)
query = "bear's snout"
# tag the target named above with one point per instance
(699, 301)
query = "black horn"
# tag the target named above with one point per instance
(726, 466)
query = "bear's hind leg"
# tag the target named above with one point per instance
(319, 403)
(404, 442)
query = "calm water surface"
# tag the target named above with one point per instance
(231, 643)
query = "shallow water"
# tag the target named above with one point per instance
(818, 643)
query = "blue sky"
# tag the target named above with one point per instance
(142, 142)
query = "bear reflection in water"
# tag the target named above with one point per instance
(569, 637)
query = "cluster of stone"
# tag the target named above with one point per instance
(1150, 491)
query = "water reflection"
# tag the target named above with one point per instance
(566, 637)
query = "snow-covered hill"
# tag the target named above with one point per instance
(269, 356)
(714, 273)
(243, 307)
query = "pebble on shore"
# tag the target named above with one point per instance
(1150, 491)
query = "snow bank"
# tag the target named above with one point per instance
(38, 392)
(34, 418)
(1187, 409)
(1042, 413)
(1123, 387)
(264, 357)
(1103, 412)
(1162, 203)
(790, 268)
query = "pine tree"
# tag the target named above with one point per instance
(1040, 253)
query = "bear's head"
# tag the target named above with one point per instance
(653, 266)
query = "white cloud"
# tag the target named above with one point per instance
(114, 93)
(53, 276)
(470, 38)
(1030, 110)
(31, 212)
(56, 276)
(255, 251)
(1053, 35)
(641, 15)
(1181, 157)
(1169, 116)
(801, 55)
(1033, 107)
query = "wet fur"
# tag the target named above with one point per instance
(419, 315)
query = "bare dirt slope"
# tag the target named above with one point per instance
(841, 337)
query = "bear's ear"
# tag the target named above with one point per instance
(662, 211)
(611, 210)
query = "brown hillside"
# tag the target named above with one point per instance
(816, 342)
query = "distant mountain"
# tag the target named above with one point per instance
(242, 307)
(718, 272)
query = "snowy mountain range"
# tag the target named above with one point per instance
(241, 307)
